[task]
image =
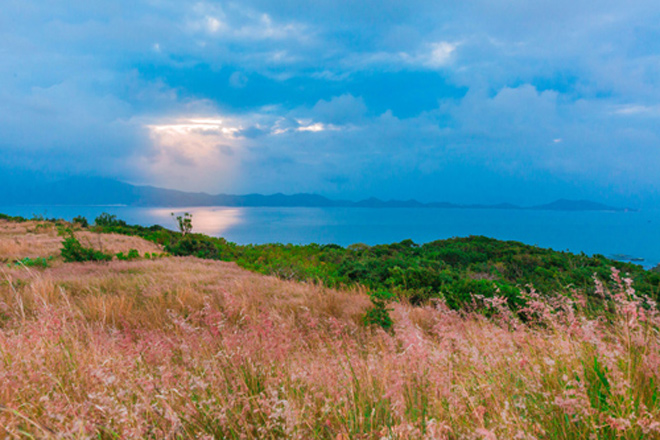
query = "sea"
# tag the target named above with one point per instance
(627, 236)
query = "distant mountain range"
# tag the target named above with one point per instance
(98, 191)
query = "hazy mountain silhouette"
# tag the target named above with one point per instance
(101, 191)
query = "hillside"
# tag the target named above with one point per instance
(33, 239)
(456, 270)
(185, 347)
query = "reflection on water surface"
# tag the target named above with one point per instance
(210, 221)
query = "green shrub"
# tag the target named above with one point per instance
(73, 251)
(379, 313)
(32, 262)
(82, 221)
(108, 220)
(133, 254)
(12, 218)
(194, 245)
(463, 292)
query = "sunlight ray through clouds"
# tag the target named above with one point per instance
(195, 150)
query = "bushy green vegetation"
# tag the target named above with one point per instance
(132, 254)
(74, 251)
(379, 313)
(80, 220)
(31, 262)
(10, 218)
(458, 270)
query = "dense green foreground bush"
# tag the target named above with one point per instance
(457, 269)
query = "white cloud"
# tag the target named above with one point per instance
(431, 56)
(637, 110)
(241, 23)
(316, 127)
(440, 54)
(214, 25)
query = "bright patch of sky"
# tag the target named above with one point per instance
(475, 101)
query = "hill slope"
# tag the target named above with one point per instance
(181, 347)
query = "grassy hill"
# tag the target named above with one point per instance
(456, 270)
(186, 347)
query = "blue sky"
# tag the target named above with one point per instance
(474, 101)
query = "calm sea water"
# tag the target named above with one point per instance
(619, 234)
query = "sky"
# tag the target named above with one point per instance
(477, 101)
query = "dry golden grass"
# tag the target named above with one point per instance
(30, 239)
(140, 293)
(39, 239)
(114, 243)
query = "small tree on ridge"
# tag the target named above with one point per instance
(185, 223)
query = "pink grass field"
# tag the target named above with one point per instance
(187, 348)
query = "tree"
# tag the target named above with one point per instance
(185, 223)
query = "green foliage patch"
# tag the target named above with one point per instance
(379, 313)
(10, 218)
(74, 251)
(31, 262)
(132, 254)
(81, 221)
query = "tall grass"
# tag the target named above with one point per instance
(40, 239)
(185, 348)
